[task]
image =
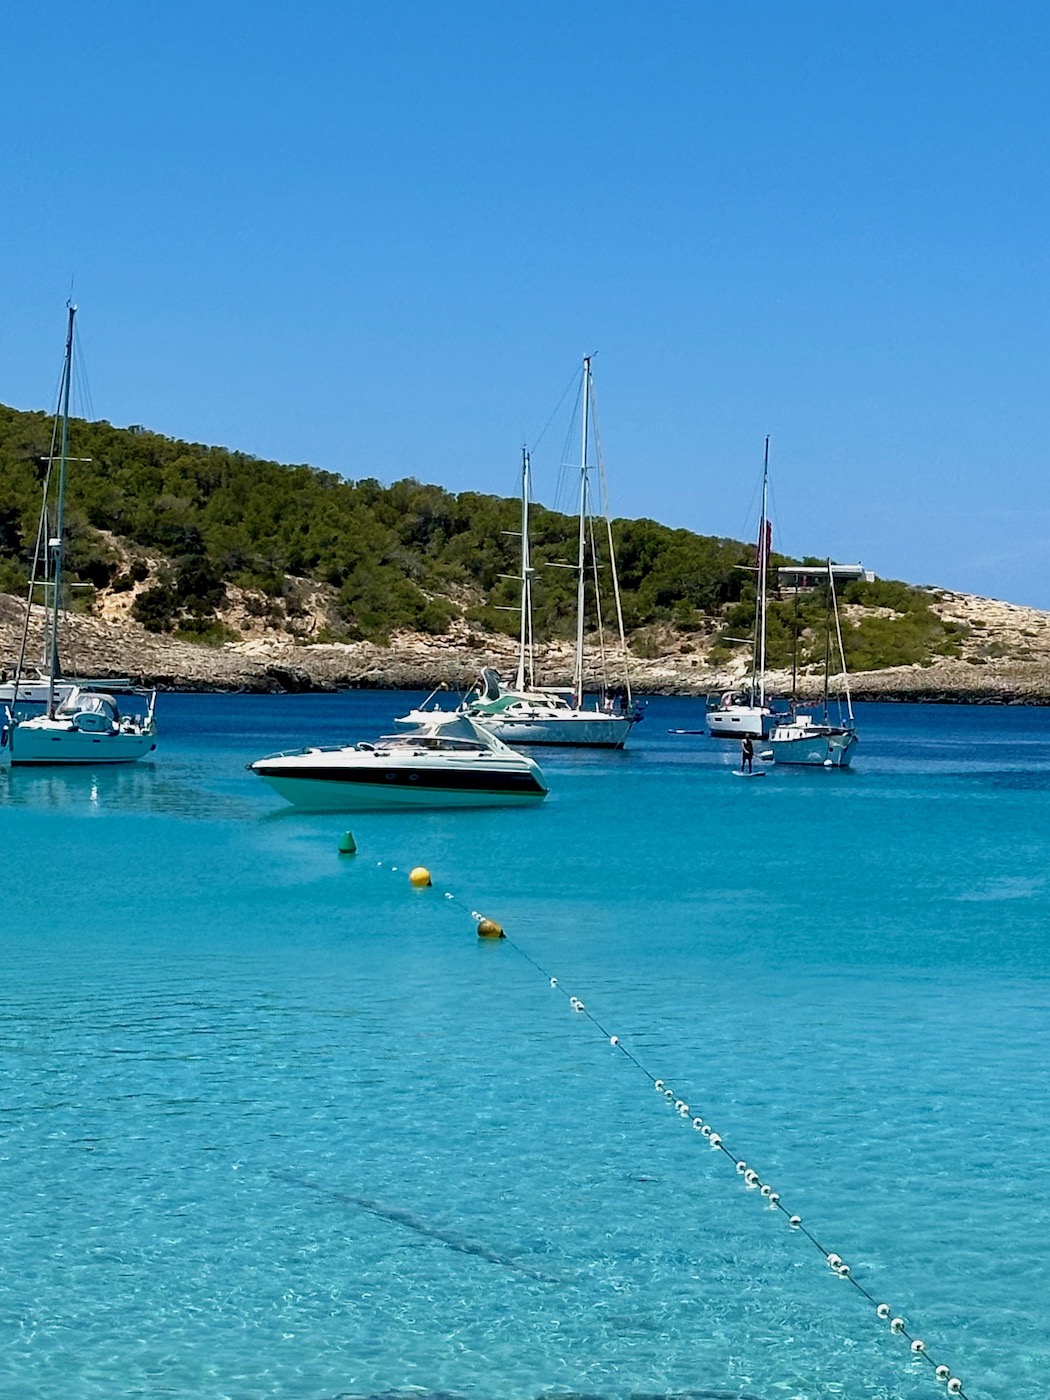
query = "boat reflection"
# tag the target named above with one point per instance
(133, 789)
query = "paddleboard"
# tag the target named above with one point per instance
(687, 731)
(759, 773)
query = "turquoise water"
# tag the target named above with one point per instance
(277, 1125)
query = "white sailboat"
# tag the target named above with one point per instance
(527, 713)
(744, 713)
(78, 725)
(820, 743)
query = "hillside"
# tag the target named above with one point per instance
(198, 565)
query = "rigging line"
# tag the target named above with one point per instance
(603, 503)
(58, 391)
(598, 604)
(774, 514)
(40, 550)
(81, 381)
(751, 510)
(554, 412)
(842, 650)
(750, 1177)
(604, 500)
(567, 465)
(604, 489)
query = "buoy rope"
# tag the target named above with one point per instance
(752, 1180)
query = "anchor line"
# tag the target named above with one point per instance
(751, 1178)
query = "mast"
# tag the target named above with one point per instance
(758, 665)
(55, 544)
(526, 677)
(827, 637)
(581, 560)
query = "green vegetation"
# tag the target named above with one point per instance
(898, 628)
(394, 556)
(189, 521)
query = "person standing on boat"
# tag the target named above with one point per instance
(747, 753)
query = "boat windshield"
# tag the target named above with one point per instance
(430, 742)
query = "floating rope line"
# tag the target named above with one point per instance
(751, 1179)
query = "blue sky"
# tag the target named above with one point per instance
(378, 238)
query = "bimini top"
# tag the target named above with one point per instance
(85, 702)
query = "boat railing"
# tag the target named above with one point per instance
(295, 753)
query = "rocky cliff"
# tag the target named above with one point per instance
(1005, 657)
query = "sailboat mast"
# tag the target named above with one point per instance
(581, 559)
(827, 637)
(56, 572)
(526, 677)
(763, 578)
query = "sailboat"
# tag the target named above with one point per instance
(525, 712)
(820, 743)
(79, 725)
(740, 714)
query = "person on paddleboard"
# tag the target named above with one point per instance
(747, 753)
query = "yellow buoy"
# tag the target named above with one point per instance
(488, 928)
(419, 877)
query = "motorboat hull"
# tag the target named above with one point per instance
(820, 746)
(338, 794)
(448, 761)
(372, 784)
(33, 692)
(435, 768)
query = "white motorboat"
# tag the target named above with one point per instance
(524, 712)
(86, 727)
(34, 687)
(447, 761)
(732, 715)
(78, 725)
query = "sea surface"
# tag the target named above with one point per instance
(273, 1123)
